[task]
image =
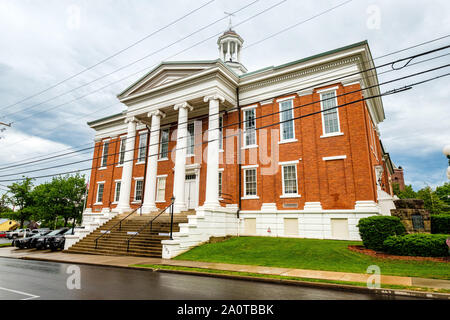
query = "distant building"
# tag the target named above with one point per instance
(398, 178)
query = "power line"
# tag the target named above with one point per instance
(276, 123)
(339, 78)
(111, 56)
(124, 67)
(390, 92)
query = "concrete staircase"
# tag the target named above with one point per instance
(145, 243)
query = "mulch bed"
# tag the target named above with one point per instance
(382, 255)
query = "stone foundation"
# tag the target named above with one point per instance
(413, 215)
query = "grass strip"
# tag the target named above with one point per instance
(270, 276)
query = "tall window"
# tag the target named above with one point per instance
(191, 138)
(220, 183)
(138, 190)
(221, 133)
(330, 116)
(161, 189)
(249, 127)
(142, 147)
(286, 116)
(164, 144)
(100, 188)
(289, 179)
(105, 154)
(250, 182)
(122, 150)
(117, 192)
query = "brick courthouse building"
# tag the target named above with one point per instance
(298, 167)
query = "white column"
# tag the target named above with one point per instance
(228, 50)
(180, 157)
(152, 164)
(212, 168)
(127, 169)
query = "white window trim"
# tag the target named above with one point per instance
(334, 158)
(135, 187)
(188, 155)
(284, 163)
(139, 147)
(251, 167)
(289, 195)
(328, 89)
(250, 146)
(287, 98)
(221, 171)
(160, 144)
(156, 195)
(122, 139)
(281, 124)
(332, 134)
(98, 187)
(115, 190)
(104, 142)
(221, 119)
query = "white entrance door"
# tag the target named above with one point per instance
(191, 191)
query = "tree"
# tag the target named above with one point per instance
(22, 200)
(63, 197)
(431, 200)
(443, 193)
(407, 193)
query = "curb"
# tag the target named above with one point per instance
(324, 285)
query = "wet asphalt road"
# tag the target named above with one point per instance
(26, 279)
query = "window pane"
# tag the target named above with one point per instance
(249, 127)
(191, 138)
(105, 154)
(118, 185)
(164, 151)
(122, 150)
(161, 189)
(287, 128)
(100, 192)
(142, 147)
(250, 182)
(139, 185)
(290, 179)
(220, 133)
(330, 117)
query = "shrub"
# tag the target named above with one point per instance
(374, 230)
(440, 223)
(418, 244)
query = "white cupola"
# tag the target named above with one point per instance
(230, 46)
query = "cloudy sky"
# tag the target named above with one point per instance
(43, 42)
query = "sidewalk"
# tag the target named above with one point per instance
(126, 261)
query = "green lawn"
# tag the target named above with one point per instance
(331, 255)
(5, 245)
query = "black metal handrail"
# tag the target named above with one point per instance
(151, 223)
(118, 223)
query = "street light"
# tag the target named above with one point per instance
(446, 151)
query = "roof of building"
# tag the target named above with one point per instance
(270, 68)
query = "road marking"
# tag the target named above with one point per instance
(30, 296)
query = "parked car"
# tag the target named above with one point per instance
(17, 233)
(2, 234)
(57, 242)
(42, 241)
(22, 243)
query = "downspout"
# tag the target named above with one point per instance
(239, 153)
(145, 168)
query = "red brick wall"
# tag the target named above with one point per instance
(337, 184)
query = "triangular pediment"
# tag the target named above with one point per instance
(164, 74)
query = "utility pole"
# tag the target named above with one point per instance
(4, 124)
